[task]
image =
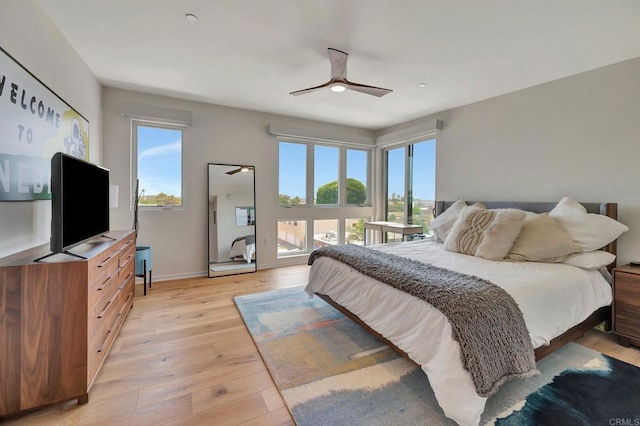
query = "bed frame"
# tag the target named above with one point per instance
(601, 315)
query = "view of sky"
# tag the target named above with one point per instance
(293, 168)
(159, 160)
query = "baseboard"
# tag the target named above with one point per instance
(158, 278)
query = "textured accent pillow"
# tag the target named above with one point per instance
(590, 231)
(485, 233)
(592, 260)
(541, 239)
(443, 223)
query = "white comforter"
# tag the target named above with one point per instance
(552, 297)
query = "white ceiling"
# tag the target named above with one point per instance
(251, 53)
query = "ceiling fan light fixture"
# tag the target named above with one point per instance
(244, 169)
(338, 88)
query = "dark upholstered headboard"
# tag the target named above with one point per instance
(608, 209)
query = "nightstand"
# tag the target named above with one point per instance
(626, 304)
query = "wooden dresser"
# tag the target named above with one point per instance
(626, 304)
(59, 317)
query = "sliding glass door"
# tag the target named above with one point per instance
(410, 185)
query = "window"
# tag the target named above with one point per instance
(325, 177)
(357, 165)
(354, 231)
(158, 165)
(292, 237)
(410, 172)
(325, 233)
(327, 186)
(293, 174)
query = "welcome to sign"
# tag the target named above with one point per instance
(35, 123)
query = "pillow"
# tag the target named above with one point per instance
(590, 231)
(542, 240)
(592, 260)
(485, 233)
(443, 223)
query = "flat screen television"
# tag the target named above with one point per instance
(79, 202)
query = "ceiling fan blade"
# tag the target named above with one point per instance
(311, 89)
(233, 172)
(338, 60)
(369, 90)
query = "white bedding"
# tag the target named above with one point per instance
(552, 297)
(241, 248)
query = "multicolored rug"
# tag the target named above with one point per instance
(330, 371)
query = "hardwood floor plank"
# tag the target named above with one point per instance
(232, 390)
(233, 413)
(184, 357)
(273, 399)
(280, 417)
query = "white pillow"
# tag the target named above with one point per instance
(442, 224)
(541, 239)
(592, 260)
(590, 231)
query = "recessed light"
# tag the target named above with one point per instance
(191, 17)
(422, 85)
(338, 88)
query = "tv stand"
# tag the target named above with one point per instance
(58, 320)
(62, 252)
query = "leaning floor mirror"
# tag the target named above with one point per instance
(232, 219)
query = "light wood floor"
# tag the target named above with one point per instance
(184, 357)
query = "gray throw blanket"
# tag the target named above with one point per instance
(485, 320)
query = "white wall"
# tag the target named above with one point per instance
(28, 35)
(578, 136)
(218, 135)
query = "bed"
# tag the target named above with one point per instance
(244, 247)
(559, 302)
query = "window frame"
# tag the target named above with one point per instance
(309, 211)
(342, 173)
(135, 123)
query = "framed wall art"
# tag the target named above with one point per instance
(35, 123)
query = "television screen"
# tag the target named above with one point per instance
(79, 201)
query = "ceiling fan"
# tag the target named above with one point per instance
(339, 82)
(240, 169)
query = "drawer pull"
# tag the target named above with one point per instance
(104, 284)
(109, 303)
(104, 262)
(127, 260)
(119, 315)
(125, 281)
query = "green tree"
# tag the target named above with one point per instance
(328, 193)
(160, 199)
(356, 233)
(286, 200)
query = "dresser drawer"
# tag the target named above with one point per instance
(103, 262)
(127, 255)
(627, 288)
(100, 342)
(627, 320)
(103, 286)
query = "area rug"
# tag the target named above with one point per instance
(330, 371)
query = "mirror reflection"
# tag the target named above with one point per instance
(232, 219)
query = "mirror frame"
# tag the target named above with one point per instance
(254, 257)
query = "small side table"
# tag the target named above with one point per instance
(398, 228)
(626, 304)
(143, 264)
